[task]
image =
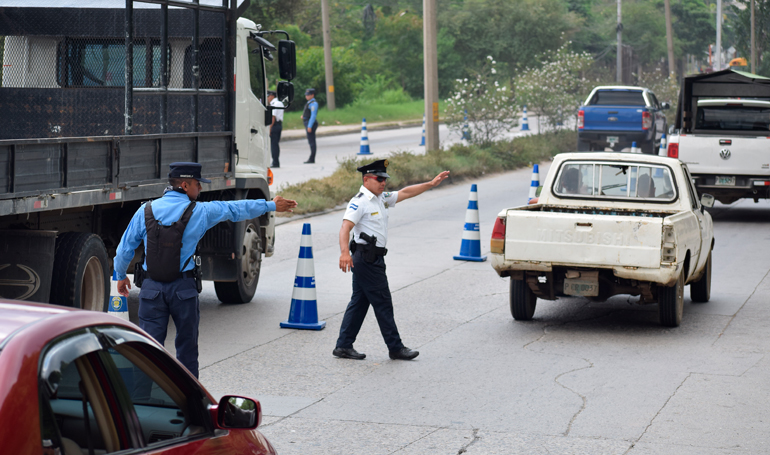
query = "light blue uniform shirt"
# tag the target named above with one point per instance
(168, 209)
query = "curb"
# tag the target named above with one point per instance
(323, 131)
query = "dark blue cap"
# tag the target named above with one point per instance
(309, 91)
(378, 168)
(186, 171)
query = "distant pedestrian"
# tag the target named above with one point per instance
(367, 218)
(275, 128)
(310, 121)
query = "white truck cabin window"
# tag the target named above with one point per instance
(615, 180)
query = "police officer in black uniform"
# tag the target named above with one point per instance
(310, 121)
(367, 217)
(171, 228)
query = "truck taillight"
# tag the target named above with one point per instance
(673, 150)
(668, 245)
(497, 245)
(581, 118)
(646, 120)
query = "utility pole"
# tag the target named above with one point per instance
(719, 36)
(430, 59)
(753, 47)
(669, 40)
(330, 105)
(619, 77)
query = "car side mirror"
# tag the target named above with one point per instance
(239, 412)
(287, 59)
(707, 200)
(664, 105)
(285, 92)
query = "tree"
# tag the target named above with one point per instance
(740, 30)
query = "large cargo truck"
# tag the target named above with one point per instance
(81, 149)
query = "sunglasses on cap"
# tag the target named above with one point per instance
(378, 178)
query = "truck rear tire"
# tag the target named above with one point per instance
(242, 290)
(80, 277)
(700, 291)
(671, 303)
(522, 300)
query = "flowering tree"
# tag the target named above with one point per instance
(664, 87)
(556, 89)
(486, 102)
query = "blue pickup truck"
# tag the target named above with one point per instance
(617, 116)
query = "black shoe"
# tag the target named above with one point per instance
(309, 162)
(403, 354)
(274, 166)
(348, 353)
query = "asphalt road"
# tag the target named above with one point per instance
(581, 377)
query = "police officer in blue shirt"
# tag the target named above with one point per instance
(367, 217)
(177, 224)
(310, 121)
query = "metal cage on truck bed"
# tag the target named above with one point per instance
(72, 123)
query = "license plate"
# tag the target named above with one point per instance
(613, 139)
(581, 286)
(725, 181)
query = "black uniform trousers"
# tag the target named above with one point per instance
(178, 299)
(311, 141)
(275, 138)
(370, 286)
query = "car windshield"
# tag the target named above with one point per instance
(618, 98)
(603, 180)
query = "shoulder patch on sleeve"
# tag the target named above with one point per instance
(388, 194)
(353, 206)
(358, 195)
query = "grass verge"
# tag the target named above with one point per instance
(405, 168)
(351, 115)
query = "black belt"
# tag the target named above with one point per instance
(187, 274)
(279, 121)
(379, 251)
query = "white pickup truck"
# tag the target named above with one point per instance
(722, 133)
(607, 224)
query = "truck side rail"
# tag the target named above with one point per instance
(33, 172)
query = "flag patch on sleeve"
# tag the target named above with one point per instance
(353, 206)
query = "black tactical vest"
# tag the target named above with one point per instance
(164, 245)
(306, 113)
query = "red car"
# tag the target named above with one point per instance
(82, 382)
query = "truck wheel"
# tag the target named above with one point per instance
(242, 290)
(80, 276)
(671, 303)
(522, 300)
(700, 291)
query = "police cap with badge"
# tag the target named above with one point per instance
(377, 168)
(183, 170)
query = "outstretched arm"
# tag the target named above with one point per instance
(414, 190)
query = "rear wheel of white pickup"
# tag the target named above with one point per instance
(671, 303)
(700, 291)
(522, 300)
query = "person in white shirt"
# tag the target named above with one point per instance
(367, 217)
(275, 128)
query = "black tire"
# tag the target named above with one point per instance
(700, 291)
(522, 300)
(583, 146)
(81, 272)
(671, 303)
(242, 290)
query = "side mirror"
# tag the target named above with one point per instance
(664, 105)
(285, 92)
(287, 59)
(707, 200)
(239, 412)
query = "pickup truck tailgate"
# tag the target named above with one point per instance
(725, 154)
(613, 118)
(581, 239)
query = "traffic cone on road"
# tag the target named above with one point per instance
(524, 121)
(304, 307)
(470, 248)
(422, 141)
(634, 149)
(364, 140)
(662, 150)
(118, 304)
(535, 183)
